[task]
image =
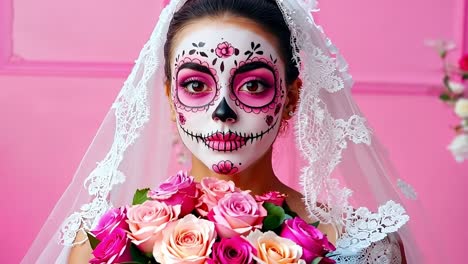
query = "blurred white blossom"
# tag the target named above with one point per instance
(459, 147)
(456, 87)
(461, 107)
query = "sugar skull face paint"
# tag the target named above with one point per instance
(228, 91)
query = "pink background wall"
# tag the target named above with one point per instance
(58, 56)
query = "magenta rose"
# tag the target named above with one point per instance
(224, 50)
(177, 190)
(234, 250)
(313, 242)
(110, 221)
(114, 248)
(212, 191)
(275, 198)
(463, 63)
(237, 214)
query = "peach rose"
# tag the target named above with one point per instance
(212, 191)
(146, 222)
(188, 240)
(274, 249)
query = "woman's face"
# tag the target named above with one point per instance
(228, 91)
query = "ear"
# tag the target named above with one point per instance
(167, 86)
(292, 98)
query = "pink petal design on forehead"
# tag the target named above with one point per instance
(224, 50)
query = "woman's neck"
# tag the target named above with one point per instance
(258, 177)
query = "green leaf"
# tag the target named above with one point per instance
(140, 196)
(138, 256)
(443, 54)
(315, 224)
(444, 97)
(317, 260)
(93, 241)
(275, 216)
(465, 76)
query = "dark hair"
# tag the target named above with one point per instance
(266, 13)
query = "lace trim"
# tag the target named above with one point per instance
(364, 227)
(386, 251)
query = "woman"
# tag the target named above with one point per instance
(236, 72)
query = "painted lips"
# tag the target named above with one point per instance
(225, 141)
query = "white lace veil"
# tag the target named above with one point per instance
(345, 175)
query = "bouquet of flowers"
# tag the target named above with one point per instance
(211, 221)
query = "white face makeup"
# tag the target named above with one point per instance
(228, 92)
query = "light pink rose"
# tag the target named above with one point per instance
(179, 189)
(146, 222)
(273, 249)
(114, 248)
(237, 214)
(275, 198)
(111, 220)
(188, 240)
(212, 191)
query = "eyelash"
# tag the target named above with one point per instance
(189, 80)
(255, 79)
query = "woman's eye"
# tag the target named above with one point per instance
(253, 87)
(196, 87)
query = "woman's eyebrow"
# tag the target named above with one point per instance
(195, 67)
(253, 66)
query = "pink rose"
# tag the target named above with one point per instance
(188, 240)
(275, 198)
(273, 249)
(237, 214)
(314, 243)
(212, 191)
(224, 50)
(463, 63)
(114, 248)
(179, 189)
(111, 220)
(235, 250)
(146, 222)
